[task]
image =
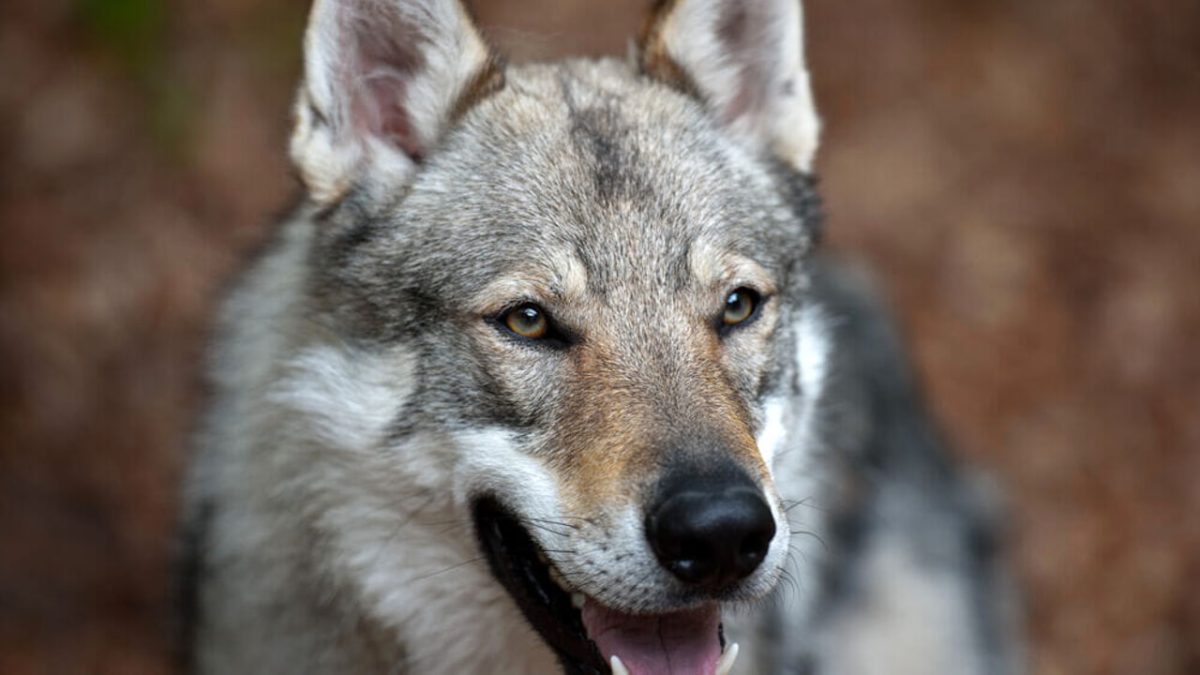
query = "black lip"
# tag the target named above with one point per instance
(513, 556)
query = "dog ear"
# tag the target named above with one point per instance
(382, 81)
(745, 60)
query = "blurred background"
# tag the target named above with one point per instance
(1022, 176)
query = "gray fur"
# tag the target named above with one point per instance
(360, 389)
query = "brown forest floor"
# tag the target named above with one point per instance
(1023, 176)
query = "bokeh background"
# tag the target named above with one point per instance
(1023, 176)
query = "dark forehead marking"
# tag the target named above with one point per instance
(600, 132)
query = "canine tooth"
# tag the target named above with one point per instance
(618, 668)
(725, 663)
(577, 599)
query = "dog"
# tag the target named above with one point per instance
(546, 372)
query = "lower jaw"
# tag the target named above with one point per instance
(561, 616)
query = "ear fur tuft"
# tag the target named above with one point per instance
(745, 60)
(383, 80)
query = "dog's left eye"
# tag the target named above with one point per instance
(740, 306)
(528, 321)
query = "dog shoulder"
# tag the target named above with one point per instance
(916, 580)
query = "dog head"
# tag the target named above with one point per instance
(597, 269)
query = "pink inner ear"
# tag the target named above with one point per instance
(746, 36)
(379, 110)
(386, 58)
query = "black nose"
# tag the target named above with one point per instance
(710, 533)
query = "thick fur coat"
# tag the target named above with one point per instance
(384, 445)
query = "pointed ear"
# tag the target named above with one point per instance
(382, 81)
(745, 60)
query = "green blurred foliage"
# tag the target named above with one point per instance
(133, 33)
(133, 30)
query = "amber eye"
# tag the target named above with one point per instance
(739, 306)
(528, 321)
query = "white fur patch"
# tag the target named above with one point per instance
(813, 349)
(774, 428)
(790, 432)
(348, 396)
(909, 620)
(491, 462)
(421, 571)
(396, 516)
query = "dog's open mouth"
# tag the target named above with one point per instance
(589, 638)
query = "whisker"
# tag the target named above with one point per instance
(446, 569)
(814, 535)
(551, 521)
(546, 528)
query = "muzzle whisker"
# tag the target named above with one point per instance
(814, 535)
(451, 568)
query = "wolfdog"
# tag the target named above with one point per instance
(545, 374)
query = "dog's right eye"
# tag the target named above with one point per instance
(528, 321)
(741, 305)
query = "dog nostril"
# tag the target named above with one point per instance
(752, 551)
(689, 568)
(750, 547)
(711, 537)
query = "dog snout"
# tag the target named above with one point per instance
(710, 533)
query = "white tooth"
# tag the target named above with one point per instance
(577, 599)
(618, 668)
(725, 663)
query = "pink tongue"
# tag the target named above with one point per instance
(683, 643)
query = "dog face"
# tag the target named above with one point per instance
(599, 267)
